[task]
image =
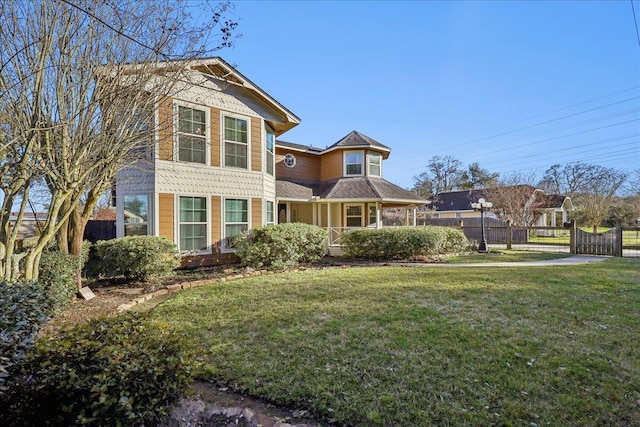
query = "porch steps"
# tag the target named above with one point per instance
(335, 250)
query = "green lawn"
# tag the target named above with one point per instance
(397, 346)
(503, 255)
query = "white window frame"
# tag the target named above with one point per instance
(223, 140)
(363, 212)
(289, 156)
(372, 207)
(267, 152)
(370, 155)
(225, 243)
(207, 223)
(273, 212)
(147, 223)
(346, 165)
(176, 131)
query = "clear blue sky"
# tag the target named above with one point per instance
(513, 85)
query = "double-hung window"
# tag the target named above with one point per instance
(374, 161)
(271, 216)
(236, 219)
(353, 163)
(269, 151)
(193, 223)
(191, 135)
(236, 141)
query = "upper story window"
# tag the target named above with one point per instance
(374, 163)
(191, 135)
(269, 151)
(236, 141)
(353, 161)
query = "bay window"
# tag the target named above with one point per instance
(236, 142)
(193, 223)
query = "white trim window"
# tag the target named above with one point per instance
(353, 215)
(191, 134)
(373, 216)
(192, 220)
(136, 214)
(269, 153)
(374, 164)
(289, 160)
(236, 142)
(353, 161)
(236, 220)
(270, 212)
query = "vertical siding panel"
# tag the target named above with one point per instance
(256, 144)
(216, 222)
(256, 212)
(165, 131)
(331, 165)
(214, 133)
(166, 215)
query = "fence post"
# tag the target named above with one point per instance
(573, 234)
(508, 234)
(617, 240)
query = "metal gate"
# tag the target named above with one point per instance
(596, 243)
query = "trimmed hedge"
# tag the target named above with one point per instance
(118, 371)
(402, 242)
(57, 276)
(135, 257)
(281, 246)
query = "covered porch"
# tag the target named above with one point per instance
(344, 204)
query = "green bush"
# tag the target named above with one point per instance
(402, 242)
(281, 246)
(135, 257)
(57, 277)
(117, 371)
(25, 309)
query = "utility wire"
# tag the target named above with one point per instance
(635, 21)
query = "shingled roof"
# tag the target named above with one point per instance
(357, 139)
(352, 188)
(457, 200)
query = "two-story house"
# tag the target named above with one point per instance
(212, 171)
(217, 170)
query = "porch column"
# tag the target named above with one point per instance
(329, 223)
(378, 215)
(406, 216)
(415, 216)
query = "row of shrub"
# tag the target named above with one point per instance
(118, 371)
(402, 242)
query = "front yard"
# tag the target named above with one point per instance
(399, 346)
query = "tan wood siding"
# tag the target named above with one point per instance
(306, 169)
(256, 212)
(256, 144)
(331, 165)
(166, 214)
(216, 222)
(214, 134)
(165, 131)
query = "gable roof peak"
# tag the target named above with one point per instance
(357, 139)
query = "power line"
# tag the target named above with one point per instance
(450, 147)
(635, 21)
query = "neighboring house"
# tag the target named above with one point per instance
(338, 187)
(547, 209)
(213, 173)
(457, 204)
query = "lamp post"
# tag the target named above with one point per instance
(482, 206)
